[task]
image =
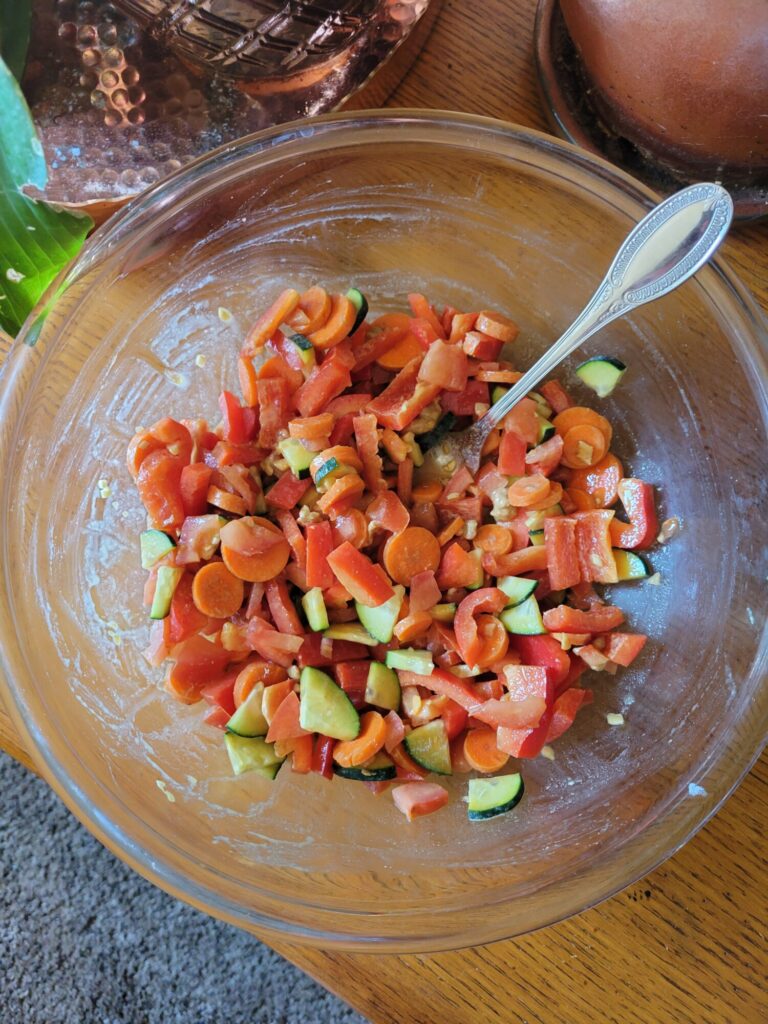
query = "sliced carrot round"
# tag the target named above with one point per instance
(268, 322)
(249, 383)
(266, 672)
(250, 553)
(553, 496)
(496, 325)
(576, 415)
(216, 592)
(600, 481)
(373, 733)
(528, 490)
(583, 501)
(409, 347)
(493, 538)
(583, 445)
(410, 552)
(344, 455)
(495, 640)
(341, 495)
(313, 310)
(412, 626)
(337, 326)
(481, 752)
(227, 502)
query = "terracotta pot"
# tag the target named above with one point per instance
(685, 81)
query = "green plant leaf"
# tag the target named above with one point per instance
(15, 19)
(36, 240)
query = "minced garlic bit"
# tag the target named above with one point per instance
(104, 489)
(654, 580)
(179, 380)
(548, 752)
(614, 718)
(481, 408)
(200, 360)
(293, 672)
(224, 314)
(669, 529)
(470, 529)
(165, 791)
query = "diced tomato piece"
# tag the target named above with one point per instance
(198, 539)
(395, 731)
(196, 662)
(358, 574)
(637, 498)
(324, 383)
(322, 756)
(524, 742)
(524, 421)
(424, 330)
(545, 651)
(403, 400)
(348, 405)
(159, 486)
(220, 692)
(293, 535)
(466, 508)
(531, 681)
(454, 718)
(424, 592)
(389, 512)
(555, 395)
(281, 607)
(184, 620)
(488, 600)
(623, 648)
(463, 404)
(281, 648)
(573, 620)
(445, 365)
(575, 672)
(525, 713)
(217, 717)
(310, 652)
(458, 568)
(417, 798)
(593, 543)
(352, 677)
(274, 409)
(545, 457)
(564, 711)
(194, 483)
(563, 562)
(512, 454)
(288, 490)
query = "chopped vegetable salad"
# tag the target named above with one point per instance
(340, 608)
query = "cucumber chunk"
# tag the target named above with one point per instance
(409, 660)
(249, 720)
(428, 746)
(535, 520)
(438, 432)
(380, 768)
(443, 612)
(167, 580)
(630, 566)
(325, 708)
(546, 431)
(489, 797)
(306, 352)
(313, 604)
(351, 631)
(380, 621)
(537, 538)
(154, 544)
(382, 688)
(602, 374)
(516, 588)
(252, 754)
(360, 303)
(523, 619)
(296, 455)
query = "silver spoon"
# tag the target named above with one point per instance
(668, 245)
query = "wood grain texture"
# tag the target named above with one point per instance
(687, 945)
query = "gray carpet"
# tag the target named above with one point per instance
(83, 940)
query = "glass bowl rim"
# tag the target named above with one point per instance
(175, 191)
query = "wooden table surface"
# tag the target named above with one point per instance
(688, 943)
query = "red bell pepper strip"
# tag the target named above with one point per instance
(556, 396)
(288, 490)
(352, 677)
(403, 400)
(184, 620)
(319, 547)
(637, 498)
(623, 648)
(326, 382)
(481, 346)
(524, 742)
(367, 441)
(530, 681)
(232, 418)
(512, 454)
(562, 552)
(564, 712)
(593, 543)
(274, 409)
(422, 309)
(544, 651)
(281, 607)
(447, 684)
(322, 756)
(365, 581)
(293, 535)
(272, 645)
(476, 392)
(310, 652)
(378, 341)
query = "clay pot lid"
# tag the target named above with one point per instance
(570, 103)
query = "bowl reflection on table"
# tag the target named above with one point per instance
(473, 212)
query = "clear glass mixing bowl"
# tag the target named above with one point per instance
(471, 211)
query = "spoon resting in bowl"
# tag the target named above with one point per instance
(667, 247)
